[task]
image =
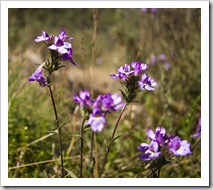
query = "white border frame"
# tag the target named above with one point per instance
(203, 181)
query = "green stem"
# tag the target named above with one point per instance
(82, 148)
(112, 139)
(91, 155)
(59, 131)
(159, 173)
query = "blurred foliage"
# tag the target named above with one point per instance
(123, 36)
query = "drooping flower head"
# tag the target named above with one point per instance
(38, 77)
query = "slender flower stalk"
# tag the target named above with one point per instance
(82, 148)
(112, 139)
(59, 131)
(92, 160)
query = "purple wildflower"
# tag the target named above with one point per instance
(147, 83)
(64, 36)
(160, 141)
(98, 108)
(159, 136)
(83, 99)
(44, 37)
(68, 57)
(198, 131)
(138, 67)
(179, 147)
(123, 72)
(59, 45)
(37, 76)
(96, 122)
(111, 102)
(150, 152)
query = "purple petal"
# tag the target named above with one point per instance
(150, 134)
(143, 147)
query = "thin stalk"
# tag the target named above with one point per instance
(159, 173)
(152, 172)
(59, 131)
(91, 155)
(96, 157)
(112, 139)
(82, 148)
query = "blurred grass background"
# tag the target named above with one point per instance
(123, 36)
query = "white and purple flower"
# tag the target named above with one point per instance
(43, 38)
(57, 43)
(159, 135)
(146, 83)
(150, 152)
(38, 77)
(96, 122)
(83, 99)
(179, 147)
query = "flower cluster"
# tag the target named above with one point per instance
(132, 80)
(98, 108)
(198, 131)
(59, 50)
(58, 44)
(162, 143)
